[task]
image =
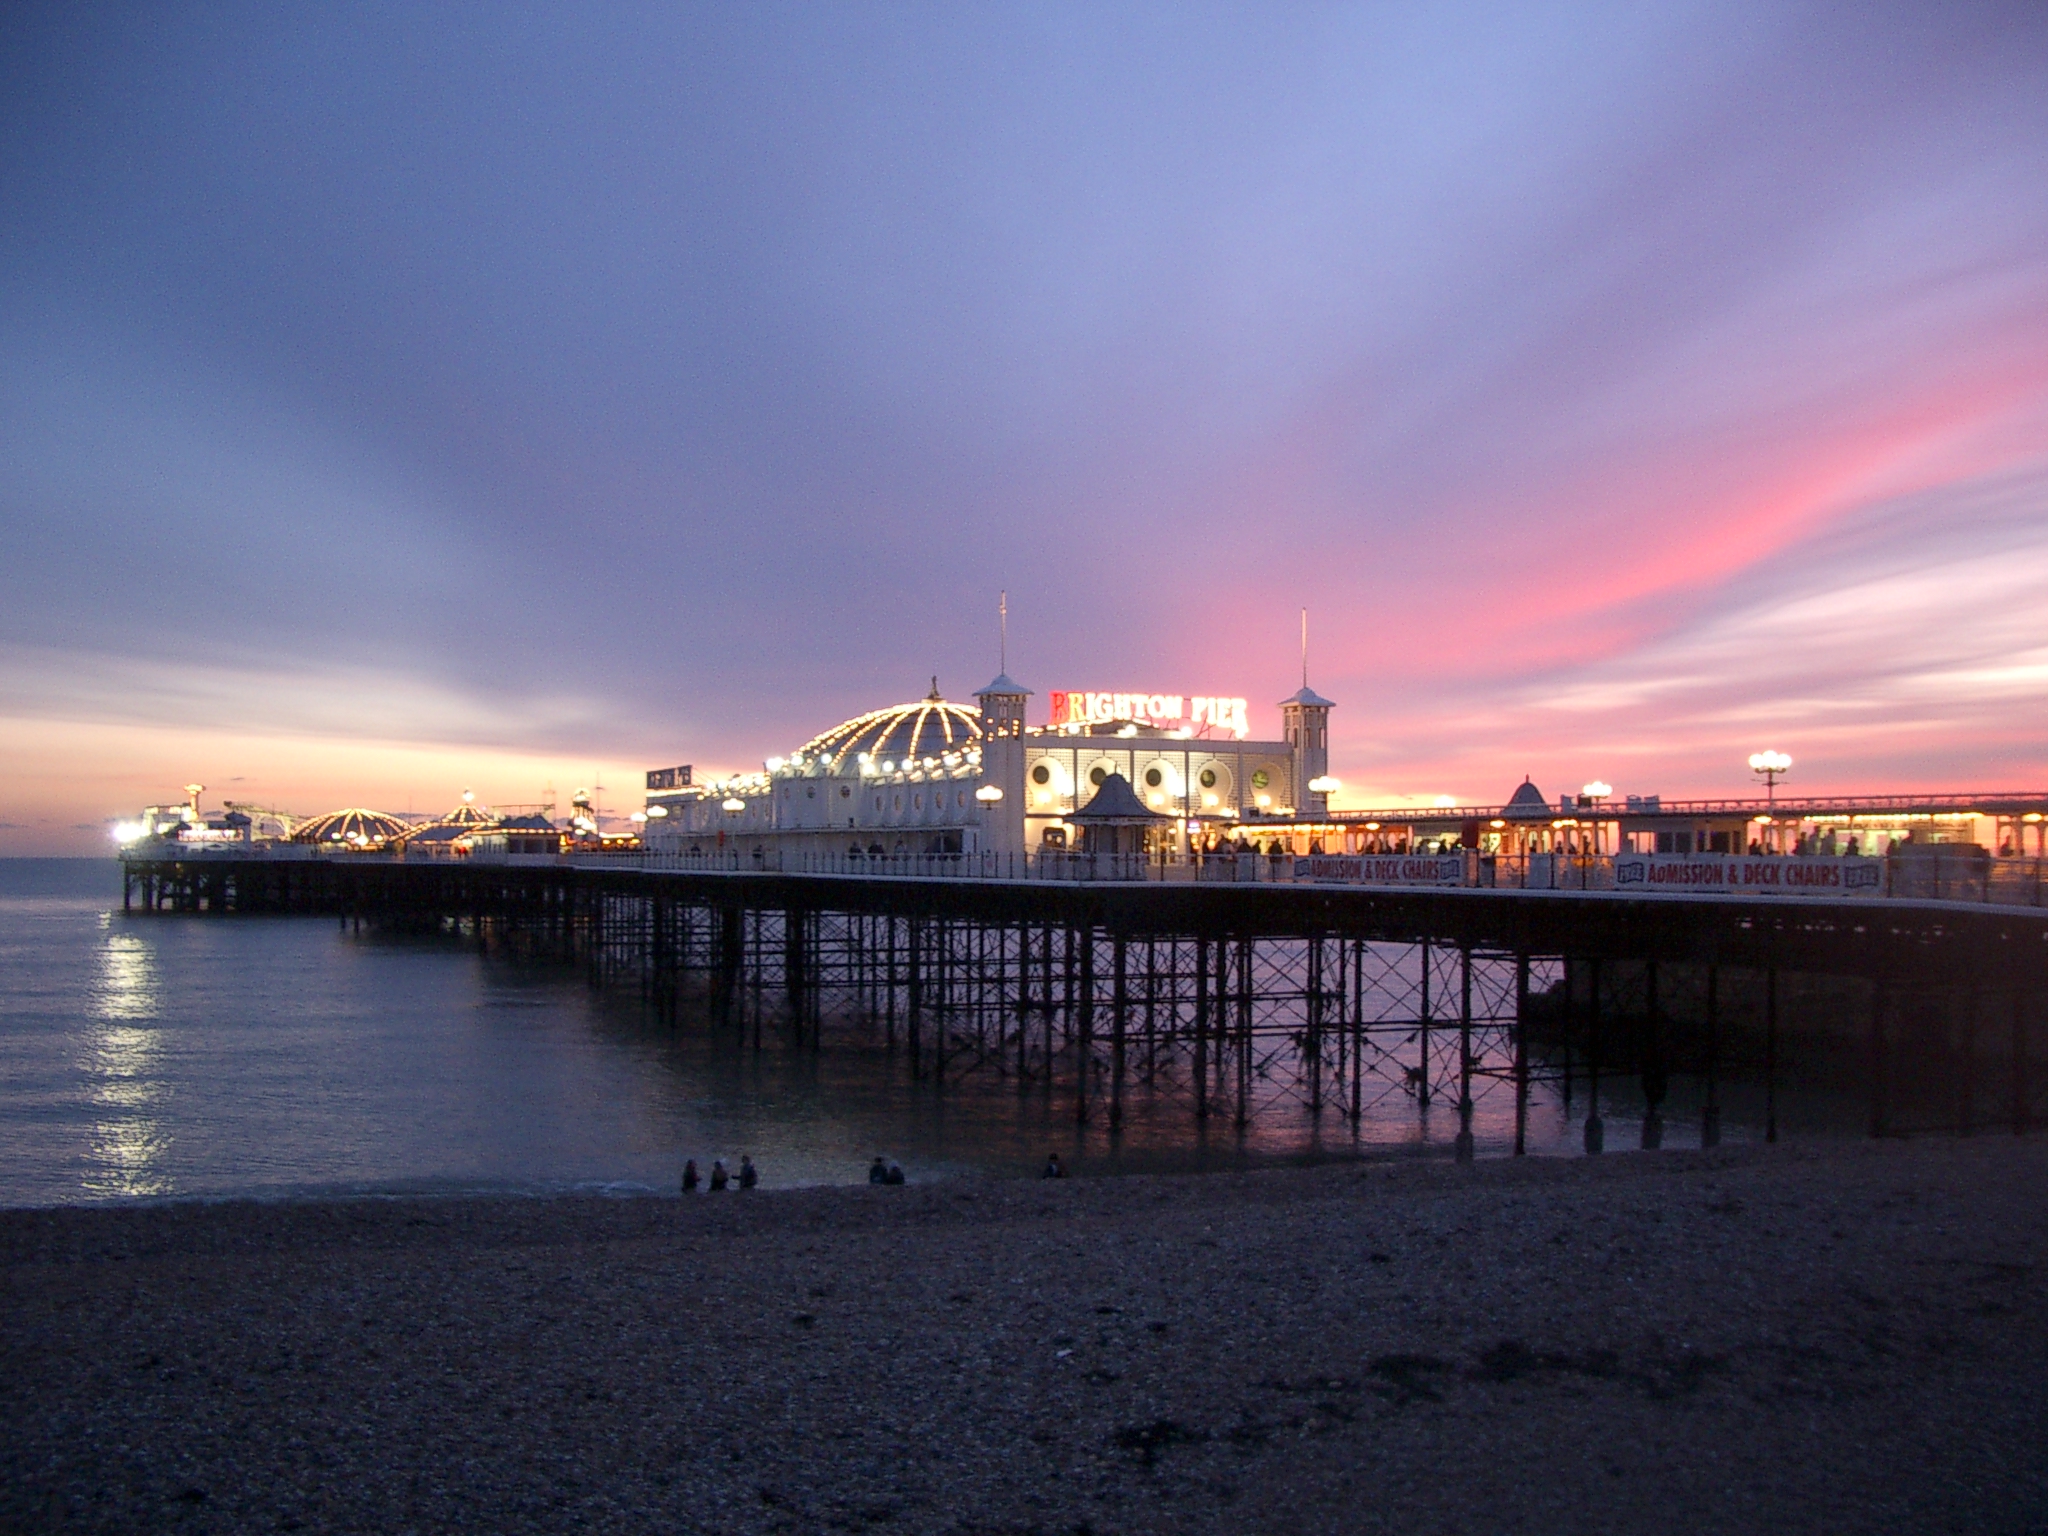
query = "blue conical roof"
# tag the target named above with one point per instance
(1526, 804)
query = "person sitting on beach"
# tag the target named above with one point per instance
(878, 1170)
(896, 1172)
(719, 1177)
(1053, 1170)
(748, 1177)
(690, 1179)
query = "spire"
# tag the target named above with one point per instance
(934, 694)
(1304, 650)
(1003, 645)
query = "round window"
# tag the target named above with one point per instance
(1041, 774)
(1260, 778)
(1208, 778)
(845, 793)
(1097, 774)
(1154, 778)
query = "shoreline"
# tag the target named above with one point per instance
(1838, 1335)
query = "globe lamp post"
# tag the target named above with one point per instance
(1770, 767)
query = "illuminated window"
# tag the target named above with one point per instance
(1260, 778)
(1208, 778)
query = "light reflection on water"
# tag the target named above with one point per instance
(204, 1056)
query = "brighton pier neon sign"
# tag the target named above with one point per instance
(1168, 710)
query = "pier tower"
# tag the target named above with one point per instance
(1306, 717)
(1001, 792)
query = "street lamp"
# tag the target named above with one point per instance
(989, 794)
(1769, 766)
(1323, 784)
(734, 804)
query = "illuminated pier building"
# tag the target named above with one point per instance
(934, 777)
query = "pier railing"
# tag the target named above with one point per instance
(1925, 872)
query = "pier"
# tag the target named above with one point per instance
(1229, 1002)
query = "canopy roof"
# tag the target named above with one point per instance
(353, 825)
(1308, 698)
(1116, 804)
(1526, 804)
(902, 733)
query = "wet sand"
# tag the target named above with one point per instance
(1839, 1338)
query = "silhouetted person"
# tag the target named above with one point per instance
(748, 1176)
(719, 1177)
(1053, 1170)
(878, 1171)
(690, 1179)
(896, 1172)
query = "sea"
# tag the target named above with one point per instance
(164, 1057)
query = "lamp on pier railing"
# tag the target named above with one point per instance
(989, 794)
(1323, 784)
(734, 804)
(1770, 767)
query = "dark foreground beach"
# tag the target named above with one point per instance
(1848, 1338)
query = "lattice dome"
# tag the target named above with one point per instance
(354, 826)
(902, 733)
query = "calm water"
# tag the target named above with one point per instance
(201, 1056)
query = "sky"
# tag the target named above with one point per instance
(398, 399)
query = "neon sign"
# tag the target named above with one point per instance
(1167, 710)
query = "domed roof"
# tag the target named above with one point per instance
(1526, 804)
(899, 734)
(354, 826)
(469, 813)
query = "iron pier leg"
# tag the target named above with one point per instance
(1521, 1054)
(1464, 1141)
(1422, 1036)
(1244, 1032)
(1596, 1128)
(1201, 1029)
(914, 997)
(1085, 1026)
(1357, 1036)
(1119, 1018)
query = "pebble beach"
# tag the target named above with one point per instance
(1839, 1337)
